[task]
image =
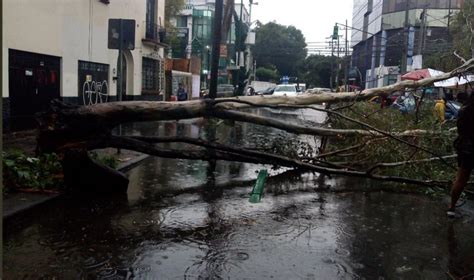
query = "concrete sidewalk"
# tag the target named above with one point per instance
(25, 141)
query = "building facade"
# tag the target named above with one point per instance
(59, 49)
(195, 30)
(390, 37)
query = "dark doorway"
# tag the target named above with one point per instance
(34, 80)
(93, 84)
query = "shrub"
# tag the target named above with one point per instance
(39, 173)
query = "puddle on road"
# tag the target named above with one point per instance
(173, 224)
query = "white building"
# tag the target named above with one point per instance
(59, 49)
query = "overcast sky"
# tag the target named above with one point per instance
(315, 18)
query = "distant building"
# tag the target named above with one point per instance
(59, 49)
(195, 30)
(380, 39)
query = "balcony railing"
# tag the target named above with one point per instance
(155, 32)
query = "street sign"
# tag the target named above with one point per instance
(121, 31)
(250, 40)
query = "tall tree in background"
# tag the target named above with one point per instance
(268, 74)
(172, 9)
(317, 71)
(282, 46)
(462, 30)
(462, 35)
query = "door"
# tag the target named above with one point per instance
(34, 80)
(124, 77)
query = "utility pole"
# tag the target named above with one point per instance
(422, 32)
(338, 65)
(216, 47)
(251, 63)
(346, 71)
(332, 63)
(237, 44)
(238, 33)
(449, 14)
(120, 77)
(403, 62)
(334, 36)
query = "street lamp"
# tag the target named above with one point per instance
(250, 8)
(208, 48)
(249, 55)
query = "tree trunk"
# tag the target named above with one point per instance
(72, 130)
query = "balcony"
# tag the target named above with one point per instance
(154, 35)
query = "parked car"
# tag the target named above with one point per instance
(452, 110)
(288, 90)
(223, 90)
(393, 97)
(318, 90)
(267, 91)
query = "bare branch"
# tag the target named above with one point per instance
(459, 56)
(408, 162)
(370, 129)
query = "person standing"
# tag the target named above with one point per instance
(182, 94)
(440, 110)
(464, 145)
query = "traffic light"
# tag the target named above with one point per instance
(335, 33)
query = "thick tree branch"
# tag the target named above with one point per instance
(266, 158)
(292, 128)
(113, 113)
(322, 131)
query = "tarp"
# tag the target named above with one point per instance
(455, 81)
(428, 73)
(417, 75)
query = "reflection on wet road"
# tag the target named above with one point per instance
(180, 221)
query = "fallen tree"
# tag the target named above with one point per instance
(71, 131)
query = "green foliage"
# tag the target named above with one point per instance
(267, 74)
(172, 8)
(39, 173)
(279, 45)
(444, 61)
(317, 70)
(461, 37)
(460, 29)
(388, 150)
(107, 160)
(242, 30)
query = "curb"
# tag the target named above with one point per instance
(36, 200)
(40, 199)
(131, 163)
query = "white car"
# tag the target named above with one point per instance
(285, 90)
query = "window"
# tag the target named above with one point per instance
(151, 27)
(152, 75)
(202, 26)
(182, 21)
